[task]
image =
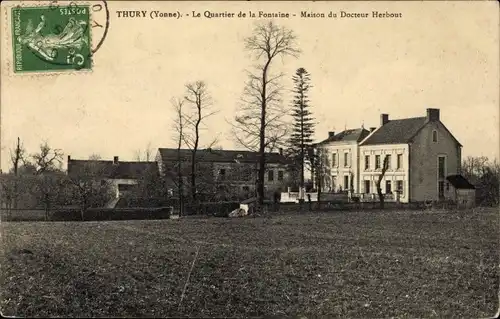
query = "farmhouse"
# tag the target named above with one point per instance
(231, 171)
(123, 177)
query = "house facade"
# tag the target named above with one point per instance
(225, 171)
(122, 177)
(340, 160)
(421, 153)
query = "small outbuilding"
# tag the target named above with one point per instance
(461, 191)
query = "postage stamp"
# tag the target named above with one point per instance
(49, 38)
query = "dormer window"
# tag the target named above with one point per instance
(434, 136)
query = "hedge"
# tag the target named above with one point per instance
(92, 214)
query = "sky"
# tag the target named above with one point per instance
(438, 55)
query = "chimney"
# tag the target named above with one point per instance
(115, 160)
(372, 129)
(432, 115)
(331, 134)
(69, 158)
(280, 150)
(384, 118)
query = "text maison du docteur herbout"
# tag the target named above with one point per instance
(156, 14)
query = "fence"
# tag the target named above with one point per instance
(293, 197)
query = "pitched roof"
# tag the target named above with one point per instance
(221, 156)
(459, 182)
(122, 170)
(396, 131)
(347, 135)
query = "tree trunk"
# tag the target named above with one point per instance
(262, 139)
(385, 166)
(380, 195)
(319, 188)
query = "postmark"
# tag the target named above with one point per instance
(57, 37)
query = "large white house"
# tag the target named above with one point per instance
(423, 157)
(340, 158)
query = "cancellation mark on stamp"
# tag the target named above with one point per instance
(56, 37)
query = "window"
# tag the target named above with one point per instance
(367, 161)
(388, 188)
(441, 167)
(125, 187)
(326, 160)
(346, 159)
(377, 161)
(399, 161)
(222, 173)
(447, 186)
(270, 176)
(399, 187)
(388, 161)
(280, 175)
(367, 187)
(441, 189)
(346, 182)
(246, 188)
(334, 160)
(434, 136)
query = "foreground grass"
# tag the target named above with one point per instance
(351, 264)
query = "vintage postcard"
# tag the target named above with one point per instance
(306, 159)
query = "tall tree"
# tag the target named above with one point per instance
(259, 123)
(303, 122)
(200, 103)
(17, 157)
(179, 127)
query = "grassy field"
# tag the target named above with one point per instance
(339, 264)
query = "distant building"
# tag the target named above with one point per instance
(230, 171)
(122, 176)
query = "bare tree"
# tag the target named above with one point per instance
(179, 127)
(385, 167)
(90, 185)
(8, 193)
(485, 176)
(259, 123)
(49, 186)
(47, 159)
(95, 157)
(145, 155)
(319, 163)
(200, 103)
(17, 156)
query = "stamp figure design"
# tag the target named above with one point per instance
(60, 41)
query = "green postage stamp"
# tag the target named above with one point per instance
(46, 39)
